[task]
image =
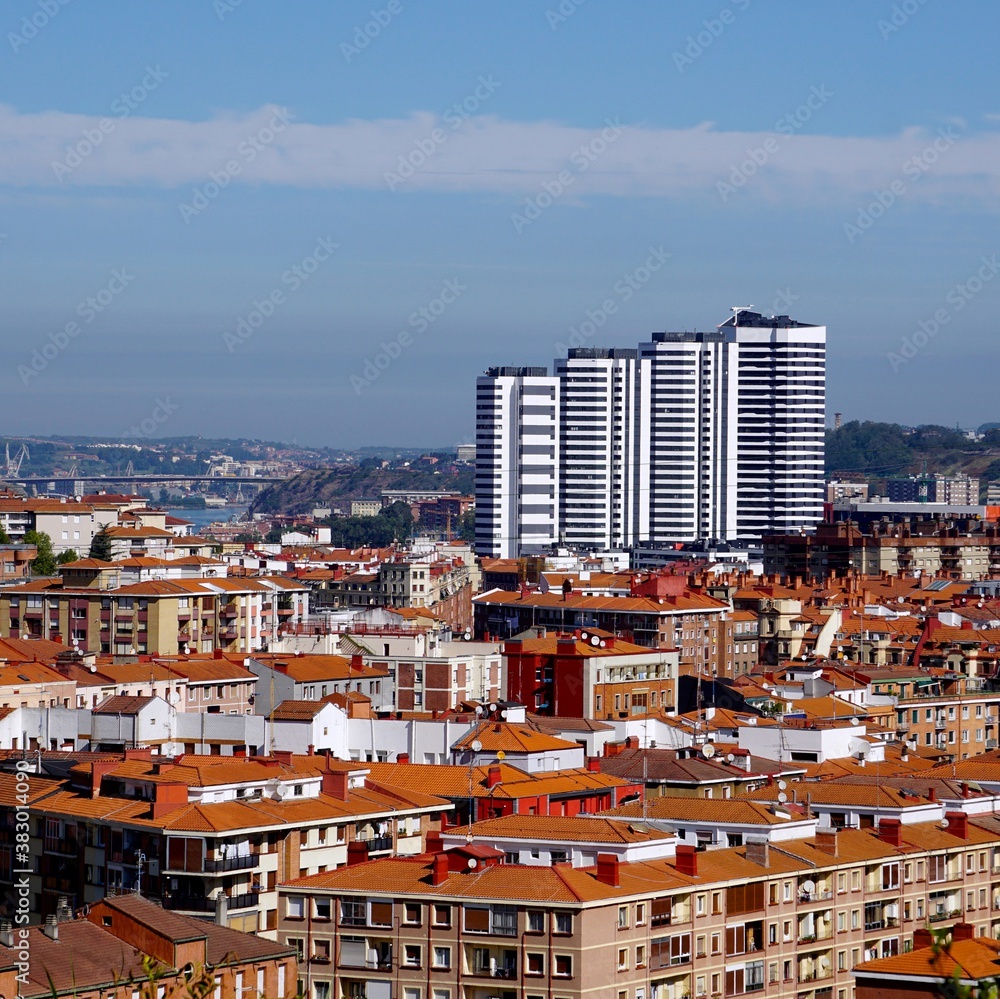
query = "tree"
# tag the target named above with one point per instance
(67, 556)
(100, 547)
(44, 563)
(467, 525)
(4, 537)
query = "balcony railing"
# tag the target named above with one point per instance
(379, 844)
(506, 971)
(230, 864)
(248, 900)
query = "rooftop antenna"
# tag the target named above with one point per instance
(736, 310)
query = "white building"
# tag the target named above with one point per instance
(517, 461)
(694, 436)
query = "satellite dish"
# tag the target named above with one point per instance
(603, 644)
(476, 746)
(809, 887)
(730, 757)
(854, 720)
(473, 863)
(708, 750)
(479, 709)
(782, 797)
(501, 755)
(493, 706)
(595, 640)
(943, 823)
(782, 785)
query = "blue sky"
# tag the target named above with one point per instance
(464, 188)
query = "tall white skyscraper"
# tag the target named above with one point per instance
(517, 462)
(604, 473)
(714, 435)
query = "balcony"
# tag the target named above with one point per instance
(815, 896)
(222, 864)
(506, 971)
(940, 725)
(229, 610)
(380, 844)
(177, 903)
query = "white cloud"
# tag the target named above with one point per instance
(487, 154)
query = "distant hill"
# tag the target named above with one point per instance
(331, 487)
(878, 450)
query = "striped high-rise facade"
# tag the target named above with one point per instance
(692, 436)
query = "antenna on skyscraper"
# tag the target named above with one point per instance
(737, 309)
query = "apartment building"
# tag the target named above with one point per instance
(207, 836)
(88, 608)
(604, 489)
(791, 921)
(590, 674)
(518, 461)
(960, 489)
(70, 524)
(692, 436)
(106, 954)
(664, 617)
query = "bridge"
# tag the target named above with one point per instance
(221, 480)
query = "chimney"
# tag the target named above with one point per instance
(357, 662)
(827, 841)
(240, 753)
(686, 860)
(335, 784)
(283, 756)
(963, 931)
(891, 831)
(594, 764)
(758, 851)
(403, 758)
(434, 842)
(222, 909)
(64, 911)
(217, 654)
(51, 928)
(632, 742)
(357, 852)
(922, 937)
(439, 869)
(6, 933)
(607, 870)
(958, 824)
(964, 788)
(493, 777)
(98, 769)
(168, 798)
(932, 794)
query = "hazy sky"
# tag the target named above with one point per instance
(319, 221)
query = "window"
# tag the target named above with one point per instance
(661, 912)
(442, 915)
(841, 922)
(442, 957)
(411, 956)
(411, 913)
(321, 951)
(855, 880)
(623, 917)
(564, 923)
(563, 966)
(534, 964)
(295, 907)
(623, 958)
(640, 956)
(535, 922)
(937, 868)
(890, 876)
(640, 911)
(841, 883)
(699, 905)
